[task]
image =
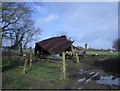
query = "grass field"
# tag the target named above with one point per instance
(102, 53)
(45, 74)
(39, 77)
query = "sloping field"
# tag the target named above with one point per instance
(45, 74)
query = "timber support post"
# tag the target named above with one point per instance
(63, 69)
(77, 58)
(73, 53)
(25, 64)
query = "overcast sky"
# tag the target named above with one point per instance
(94, 23)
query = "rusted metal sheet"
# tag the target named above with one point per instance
(55, 45)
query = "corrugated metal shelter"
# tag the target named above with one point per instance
(54, 45)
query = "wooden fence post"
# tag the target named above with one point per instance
(30, 57)
(25, 64)
(77, 58)
(63, 69)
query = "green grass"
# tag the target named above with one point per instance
(44, 75)
(45, 71)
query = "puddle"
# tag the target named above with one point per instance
(107, 80)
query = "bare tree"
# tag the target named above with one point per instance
(17, 24)
(31, 36)
(11, 14)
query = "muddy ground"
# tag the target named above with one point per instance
(107, 67)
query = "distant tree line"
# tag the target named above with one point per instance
(116, 44)
(93, 49)
(103, 50)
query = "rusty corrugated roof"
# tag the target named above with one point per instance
(55, 44)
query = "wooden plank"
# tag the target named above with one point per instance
(91, 77)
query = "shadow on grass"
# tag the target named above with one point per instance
(11, 65)
(110, 65)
